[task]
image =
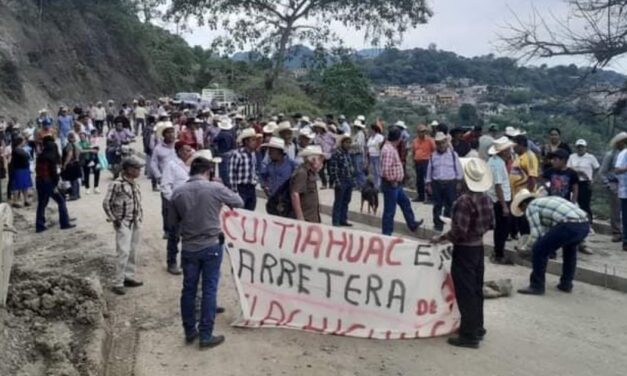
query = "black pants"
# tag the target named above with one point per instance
(501, 230)
(164, 214)
(99, 124)
(86, 171)
(421, 174)
(585, 197)
(249, 195)
(323, 176)
(518, 226)
(467, 271)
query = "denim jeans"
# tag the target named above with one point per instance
(249, 195)
(46, 191)
(343, 195)
(75, 189)
(200, 265)
(223, 169)
(375, 171)
(173, 244)
(358, 166)
(566, 236)
(392, 196)
(444, 193)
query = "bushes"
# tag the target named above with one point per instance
(10, 80)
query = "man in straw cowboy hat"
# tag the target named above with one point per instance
(554, 223)
(243, 168)
(224, 143)
(326, 141)
(610, 182)
(391, 185)
(275, 178)
(342, 172)
(304, 185)
(422, 148)
(286, 132)
(305, 137)
(161, 155)
(196, 207)
(358, 149)
(472, 217)
(501, 195)
(175, 174)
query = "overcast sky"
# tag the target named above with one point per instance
(467, 27)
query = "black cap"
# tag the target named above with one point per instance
(559, 153)
(394, 134)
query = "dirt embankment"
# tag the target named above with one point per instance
(55, 321)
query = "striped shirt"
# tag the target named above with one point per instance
(391, 166)
(242, 168)
(545, 213)
(123, 201)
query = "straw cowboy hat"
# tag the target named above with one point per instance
(247, 133)
(359, 124)
(305, 119)
(477, 174)
(284, 126)
(339, 139)
(511, 132)
(440, 136)
(434, 123)
(269, 128)
(161, 127)
(205, 154)
(622, 136)
(518, 199)
(312, 150)
(401, 124)
(275, 143)
(319, 124)
(499, 145)
(43, 111)
(225, 124)
(361, 118)
(307, 132)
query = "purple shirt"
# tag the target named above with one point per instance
(444, 166)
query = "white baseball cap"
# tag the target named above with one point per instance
(581, 142)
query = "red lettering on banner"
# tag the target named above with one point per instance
(450, 286)
(388, 253)
(435, 327)
(370, 334)
(338, 327)
(225, 222)
(269, 316)
(350, 257)
(291, 317)
(313, 239)
(352, 328)
(388, 334)
(333, 242)
(255, 228)
(284, 228)
(263, 234)
(375, 248)
(310, 326)
(424, 307)
(402, 336)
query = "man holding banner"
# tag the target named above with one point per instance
(195, 210)
(472, 217)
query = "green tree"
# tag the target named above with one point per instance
(345, 89)
(272, 26)
(468, 115)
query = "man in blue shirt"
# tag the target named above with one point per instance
(275, 176)
(65, 123)
(501, 196)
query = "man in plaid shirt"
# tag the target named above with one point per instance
(392, 175)
(242, 168)
(341, 171)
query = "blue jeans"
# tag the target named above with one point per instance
(201, 265)
(623, 210)
(75, 189)
(343, 195)
(249, 195)
(223, 169)
(392, 196)
(374, 170)
(443, 194)
(173, 244)
(358, 166)
(45, 191)
(566, 236)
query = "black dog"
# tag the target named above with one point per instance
(370, 194)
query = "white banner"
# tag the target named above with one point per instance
(334, 280)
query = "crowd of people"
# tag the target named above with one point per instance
(197, 158)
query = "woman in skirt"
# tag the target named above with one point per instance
(21, 181)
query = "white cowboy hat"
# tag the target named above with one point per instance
(225, 124)
(622, 136)
(270, 127)
(239, 116)
(161, 127)
(440, 136)
(43, 111)
(312, 150)
(275, 143)
(206, 154)
(305, 119)
(284, 126)
(512, 132)
(434, 123)
(400, 124)
(247, 133)
(361, 118)
(518, 199)
(477, 174)
(319, 124)
(198, 120)
(307, 132)
(359, 124)
(339, 139)
(499, 145)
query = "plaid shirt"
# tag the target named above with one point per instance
(473, 216)
(391, 166)
(341, 167)
(242, 168)
(546, 212)
(123, 202)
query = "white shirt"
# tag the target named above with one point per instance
(374, 145)
(100, 113)
(584, 165)
(140, 113)
(175, 174)
(500, 177)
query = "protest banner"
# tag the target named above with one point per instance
(334, 280)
